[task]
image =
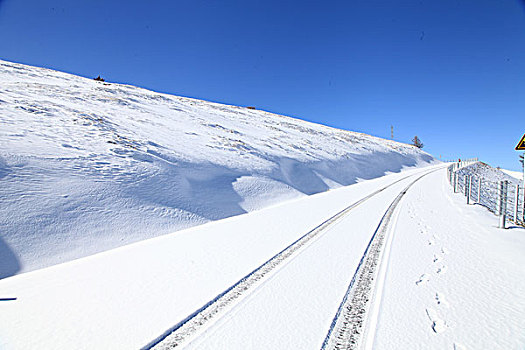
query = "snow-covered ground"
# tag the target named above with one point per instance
(515, 174)
(450, 279)
(454, 280)
(126, 297)
(87, 166)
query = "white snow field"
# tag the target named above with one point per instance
(87, 166)
(447, 278)
(515, 174)
(454, 280)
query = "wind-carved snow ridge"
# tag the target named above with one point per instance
(347, 327)
(86, 166)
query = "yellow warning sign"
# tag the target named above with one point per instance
(521, 144)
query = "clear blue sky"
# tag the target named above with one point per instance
(450, 71)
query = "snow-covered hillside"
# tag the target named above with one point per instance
(86, 166)
(515, 174)
(488, 173)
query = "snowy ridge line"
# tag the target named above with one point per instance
(346, 328)
(182, 331)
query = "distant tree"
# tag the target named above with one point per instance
(99, 78)
(417, 142)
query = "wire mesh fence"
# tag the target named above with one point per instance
(502, 195)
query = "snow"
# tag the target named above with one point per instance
(123, 209)
(303, 294)
(515, 174)
(488, 173)
(454, 280)
(126, 297)
(87, 166)
(449, 278)
(490, 189)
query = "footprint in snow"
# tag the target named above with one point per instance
(444, 250)
(422, 279)
(441, 269)
(431, 242)
(437, 258)
(438, 325)
(440, 300)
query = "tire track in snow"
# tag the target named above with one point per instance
(188, 328)
(347, 327)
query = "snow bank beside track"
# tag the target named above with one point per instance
(87, 166)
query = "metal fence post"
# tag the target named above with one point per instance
(469, 188)
(465, 188)
(479, 190)
(516, 203)
(523, 206)
(502, 207)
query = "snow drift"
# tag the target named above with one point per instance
(87, 166)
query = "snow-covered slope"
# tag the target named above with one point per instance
(488, 173)
(515, 174)
(86, 166)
